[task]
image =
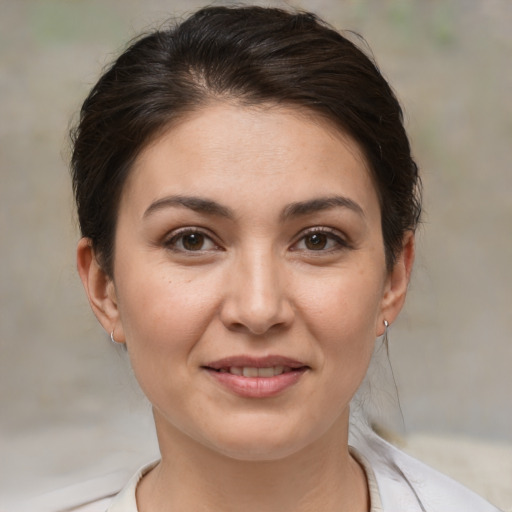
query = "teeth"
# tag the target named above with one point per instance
(266, 372)
(249, 371)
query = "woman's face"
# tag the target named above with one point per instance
(250, 279)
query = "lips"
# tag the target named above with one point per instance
(253, 371)
(256, 377)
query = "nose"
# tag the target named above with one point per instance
(256, 299)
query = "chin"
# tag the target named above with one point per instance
(254, 443)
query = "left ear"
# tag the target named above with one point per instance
(397, 281)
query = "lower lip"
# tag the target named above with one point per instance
(257, 387)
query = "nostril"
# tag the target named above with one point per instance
(237, 327)
(245, 310)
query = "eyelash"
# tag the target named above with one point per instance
(331, 235)
(172, 242)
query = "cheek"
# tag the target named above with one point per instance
(343, 306)
(164, 319)
(164, 311)
(341, 313)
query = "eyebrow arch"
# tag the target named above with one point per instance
(320, 204)
(198, 204)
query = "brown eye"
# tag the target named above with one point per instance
(193, 241)
(316, 241)
(321, 240)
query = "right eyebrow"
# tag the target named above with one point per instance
(198, 204)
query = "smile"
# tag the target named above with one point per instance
(252, 371)
(256, 377)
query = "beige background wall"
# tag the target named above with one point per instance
(68, 404)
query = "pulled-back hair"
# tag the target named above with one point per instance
(250, 55)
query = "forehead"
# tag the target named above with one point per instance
(229, 151)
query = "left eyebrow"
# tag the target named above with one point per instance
(322, 203)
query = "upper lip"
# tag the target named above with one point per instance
(254, 362)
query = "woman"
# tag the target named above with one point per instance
(248, 200)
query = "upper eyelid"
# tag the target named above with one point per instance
(321, 229)
(179, 232)
(187, 230)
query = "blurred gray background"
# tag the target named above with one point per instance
(69, 406)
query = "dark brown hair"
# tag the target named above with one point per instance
(251, 55)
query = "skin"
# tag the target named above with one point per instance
(264, 276)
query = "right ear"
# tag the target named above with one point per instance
(100, 289)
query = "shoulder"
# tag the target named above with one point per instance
(102, 494)
(407, 484)
(93, 495)
(126, 501)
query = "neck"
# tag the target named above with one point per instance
(191, 477)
